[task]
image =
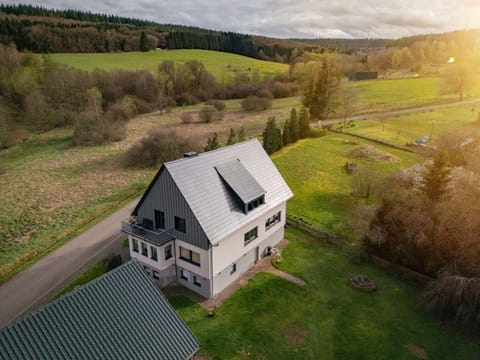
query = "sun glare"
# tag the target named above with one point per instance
(451, 60)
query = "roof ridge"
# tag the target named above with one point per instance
(209, 153)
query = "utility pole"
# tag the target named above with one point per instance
(431, 131)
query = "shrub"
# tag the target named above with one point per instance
(186, 117)
(111, 262)
(208, 114)
(281, 90)
(455, 296)
(217, 104)
(159, 146)
(264, 93)
(255, 103)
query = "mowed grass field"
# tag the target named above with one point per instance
(314, 170)
(225, 66)
(383, 95)
(402, 129)
(271, 318)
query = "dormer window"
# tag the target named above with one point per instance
(243, 186)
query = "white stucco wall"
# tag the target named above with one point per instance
(161, 263)
(204, 268)
(232, 248)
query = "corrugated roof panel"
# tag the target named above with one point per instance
(121, 315)
(208, 195)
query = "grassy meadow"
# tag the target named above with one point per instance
(225, 66)
(271, 318)
(314, 170)
(405, 128)
(384, 95)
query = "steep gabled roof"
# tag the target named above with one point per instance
(210, 197)
(121, 315)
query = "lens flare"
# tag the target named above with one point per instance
(451, 60)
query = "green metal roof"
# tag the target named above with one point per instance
(121, 315)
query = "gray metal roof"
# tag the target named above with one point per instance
(121, 315)
(240, 180)
(208, 196)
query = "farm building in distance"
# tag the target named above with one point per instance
(363, 75)
(207, 218)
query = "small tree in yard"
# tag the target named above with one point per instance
(241, 135)
(436, 179)
(286, 136)
(303, 123)
(458, 78)
(208, 114)
(232, 137)
(293, 124)
(212, 143)
(272, 137)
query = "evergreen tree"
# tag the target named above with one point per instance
(303, 123)
(294, 128)
(436, 178)
(212, 143)
(143, 42)
(272, 136)
(241, 135)
(232, 137)
(286, 136)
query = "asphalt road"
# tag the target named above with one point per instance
(395, 112)
(40, 282)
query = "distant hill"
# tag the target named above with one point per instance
(43, 30)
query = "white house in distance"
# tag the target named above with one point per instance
(207, 218)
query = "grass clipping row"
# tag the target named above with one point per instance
(370, 152)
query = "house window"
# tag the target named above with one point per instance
(251, 235)
(135, 245)
(180, 224)
(190, 256)
(159, 219)
(233, 269)
(196, 282)
(271, 221)
(156, 275)
(168, 251)
(144, 249)
(153, 251)
(183, 274)
(147, 269)
(256, 203)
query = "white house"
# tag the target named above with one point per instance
(207, 218)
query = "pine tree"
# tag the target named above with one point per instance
(286, 136)
(436, 178)
(294, 128)
(232, 138)
(212, 143)
(272, 136)
(143, 41)
(241, 135)
(303, 123)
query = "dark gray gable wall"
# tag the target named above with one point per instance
(163, 195)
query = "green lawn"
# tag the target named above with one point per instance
(402, 129)
(383, 95)
(271, 318)
(225, 66)
(314, 170)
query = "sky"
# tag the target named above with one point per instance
(295, 18)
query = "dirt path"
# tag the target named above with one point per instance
(395, 112)
(40, 282)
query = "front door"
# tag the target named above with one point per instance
(257, 253)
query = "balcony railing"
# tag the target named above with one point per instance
(155, 237)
